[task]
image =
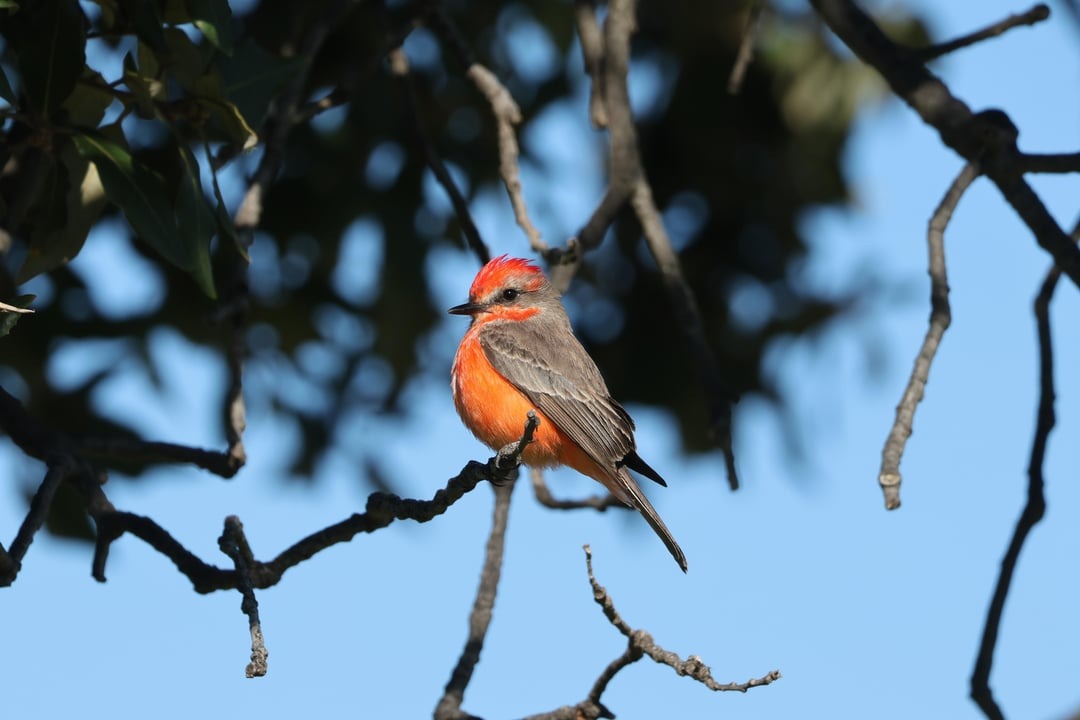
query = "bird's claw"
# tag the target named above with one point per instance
(503, 468)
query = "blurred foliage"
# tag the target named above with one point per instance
(129, 107)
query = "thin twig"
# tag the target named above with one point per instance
(399, 68)
(624, 163)
(234, 543)
(233, 406)
(1033, 509)
(639, 644)
(1035, 15)
(940, 317)
(506, 461)
(35, 518)
(746, 48)
(600, 503)
(692, 666)
(142, 452)
(507, 115)
(449, 707)
(381, 510)
(592, 54)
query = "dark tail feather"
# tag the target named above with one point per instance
(642, 505)
(635, 463)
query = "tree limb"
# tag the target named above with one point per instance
(746, 48)
(234, 543)
(940, 317)
(627, 173)
(507, 115)
(399, 67)
(1036, 14)
(988, 137)
(639, 644)
(1050, 163)
(11, 559)
(1034, 508)
(600, 503)
(592, 54)
(449, 707)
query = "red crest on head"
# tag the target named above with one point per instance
(503, 268)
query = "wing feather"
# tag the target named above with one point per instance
(565, 385)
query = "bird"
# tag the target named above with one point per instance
(520, 354)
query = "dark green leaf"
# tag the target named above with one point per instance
(11, 312)
(226, 227)
(180, 231)
(145, 87)
(87, 103)
(176, 12)
(187, 62)
(139, 192)
(231, 122)
(47, 213)
(9, 5)
(196, 223)
(149, 64)
(51, 48)
(83, 199)
(5, 87)
(253, 76)
(144, 17)
(214, 20)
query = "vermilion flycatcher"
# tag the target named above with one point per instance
(520, 354)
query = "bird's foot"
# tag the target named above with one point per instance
(503, 468)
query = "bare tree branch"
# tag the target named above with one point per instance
(1035, 15)
(39, 441)
(940, 317)
(381, 510)
(1050, 163)
(1034, 509)
(234, 543)
(592, 53)
(399, 67)
(502, 469)
(449, 707)
(11, 560)
(746, 48)
(692, 666)
(639, 643)
(626, 168)
(507, 115)
(988, 137)
(543, 495)
(143, 452)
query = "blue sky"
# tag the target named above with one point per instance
(866, 613)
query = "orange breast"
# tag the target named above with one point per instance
(494, 410)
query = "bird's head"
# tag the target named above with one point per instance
(510, 289)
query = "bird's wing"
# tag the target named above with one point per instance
(565, 385)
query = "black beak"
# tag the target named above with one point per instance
(469, 308)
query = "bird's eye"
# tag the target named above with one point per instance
(509, 294)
